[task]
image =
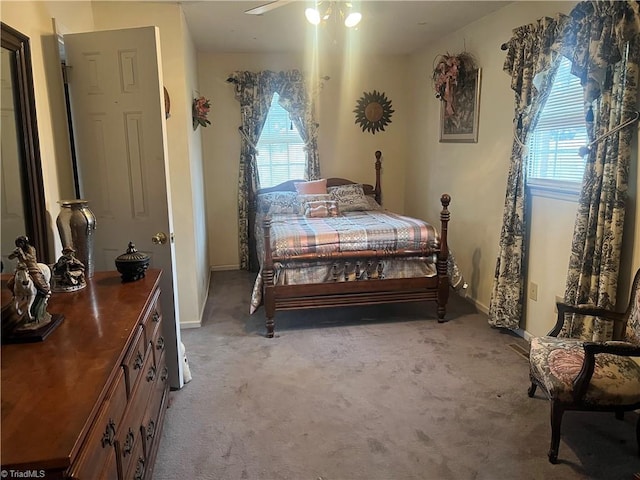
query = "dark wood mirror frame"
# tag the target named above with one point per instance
(29, 144)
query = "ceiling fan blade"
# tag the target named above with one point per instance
(267, 7)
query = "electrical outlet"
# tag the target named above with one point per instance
(533, 291)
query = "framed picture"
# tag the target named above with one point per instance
(459, 122)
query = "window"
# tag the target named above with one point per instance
(281, 155)
(553, 162)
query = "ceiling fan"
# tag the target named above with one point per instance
(324, 9)
(267, 7)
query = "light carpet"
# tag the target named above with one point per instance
(376, 393)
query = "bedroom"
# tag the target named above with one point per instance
(417, 168)
(412, 153)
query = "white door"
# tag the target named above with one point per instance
(116, 99)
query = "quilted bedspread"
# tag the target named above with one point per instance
(365, 230)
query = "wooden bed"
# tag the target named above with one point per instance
(369, 291)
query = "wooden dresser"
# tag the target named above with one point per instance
(88, 402)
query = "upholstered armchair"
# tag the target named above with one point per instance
(581, 374)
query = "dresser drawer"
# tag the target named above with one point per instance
(129, 435)
(153, 317)
(138, 464)
(110, 471)
(129, 447)
(133, 363)
(100, 442)
(150, 423)
(158, 344)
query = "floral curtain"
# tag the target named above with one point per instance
(532, 65)
(295, 99)
(254, 91)
(602, 40)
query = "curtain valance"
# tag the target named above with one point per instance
(593, 36)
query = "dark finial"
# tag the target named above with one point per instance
(378, 155)
(445, 200)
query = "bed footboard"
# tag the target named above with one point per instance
(359, 292)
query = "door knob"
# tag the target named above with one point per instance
(159, 238)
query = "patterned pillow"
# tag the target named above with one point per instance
(373, 205)
(277, 202)
(350, 198)
(312, 187)
(314, 197)
(321, 209)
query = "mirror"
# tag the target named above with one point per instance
(22, 196)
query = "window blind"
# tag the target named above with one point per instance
(553, 146)
(281, 154)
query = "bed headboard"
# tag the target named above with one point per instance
(371, 190)
(289, 186)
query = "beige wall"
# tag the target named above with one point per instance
(201, 239)
(475, 174)
(184, 147)
(345, 151)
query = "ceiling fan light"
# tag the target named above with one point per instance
(353, 19)
(313, 16)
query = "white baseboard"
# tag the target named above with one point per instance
(196, 323)
(480, 306)
(187, 325)
(524, 334)
(484, 309)
(224, 268)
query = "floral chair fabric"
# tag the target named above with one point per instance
(579, 374)
(558, 361)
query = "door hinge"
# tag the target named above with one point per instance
(65, 72)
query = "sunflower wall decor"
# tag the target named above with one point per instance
(373, 111)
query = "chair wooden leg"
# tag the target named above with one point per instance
(532, 390)
(556, 420)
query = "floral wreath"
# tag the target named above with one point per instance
(200, 111)
(448, 71)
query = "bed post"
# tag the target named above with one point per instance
(378, 189)
(267, 279)
(443, 259)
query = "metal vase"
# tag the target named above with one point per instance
(76, 224)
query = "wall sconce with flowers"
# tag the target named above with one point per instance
(200, 111)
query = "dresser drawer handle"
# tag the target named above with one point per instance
(156, 317)
(137, 365)
(160, 343)
(109, 434)
(151, 374)
(164, 375)
(151, 429)
(128, 443)
(139, 473)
